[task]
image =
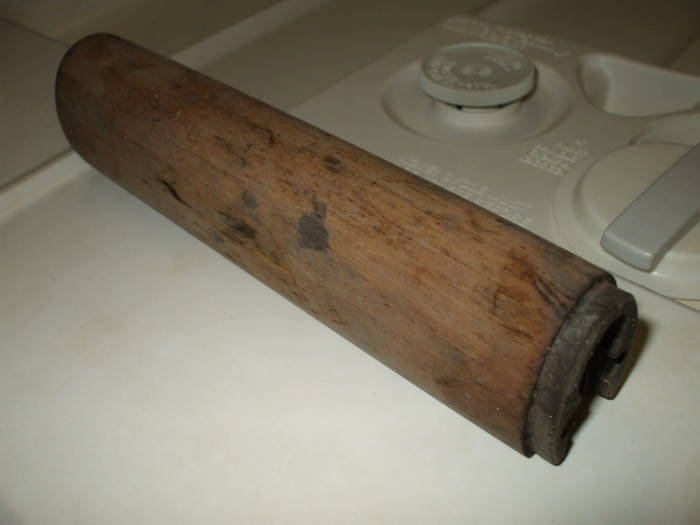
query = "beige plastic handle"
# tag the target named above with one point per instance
(642, 234)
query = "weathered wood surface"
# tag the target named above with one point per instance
(459, 301)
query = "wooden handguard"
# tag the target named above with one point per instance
(502, 326)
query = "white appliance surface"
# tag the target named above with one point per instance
(29, 131)
(146, 379)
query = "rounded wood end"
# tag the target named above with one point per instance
(589, 355)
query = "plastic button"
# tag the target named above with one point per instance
(477, 74)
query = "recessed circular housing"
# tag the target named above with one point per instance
(408, 104)
(477, 75)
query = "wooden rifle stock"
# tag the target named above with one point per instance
(502, 326)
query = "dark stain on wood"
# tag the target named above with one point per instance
(319, 208)
(448, 382)
(230, 148)
(312, 228)
(332, 164)
(549, 294)
(265, 133)
(249, 200)
(239, 226)
(517, 332)
(173, 192)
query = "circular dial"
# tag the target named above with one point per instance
(477, 74)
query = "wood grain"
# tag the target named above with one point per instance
(456, 299)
